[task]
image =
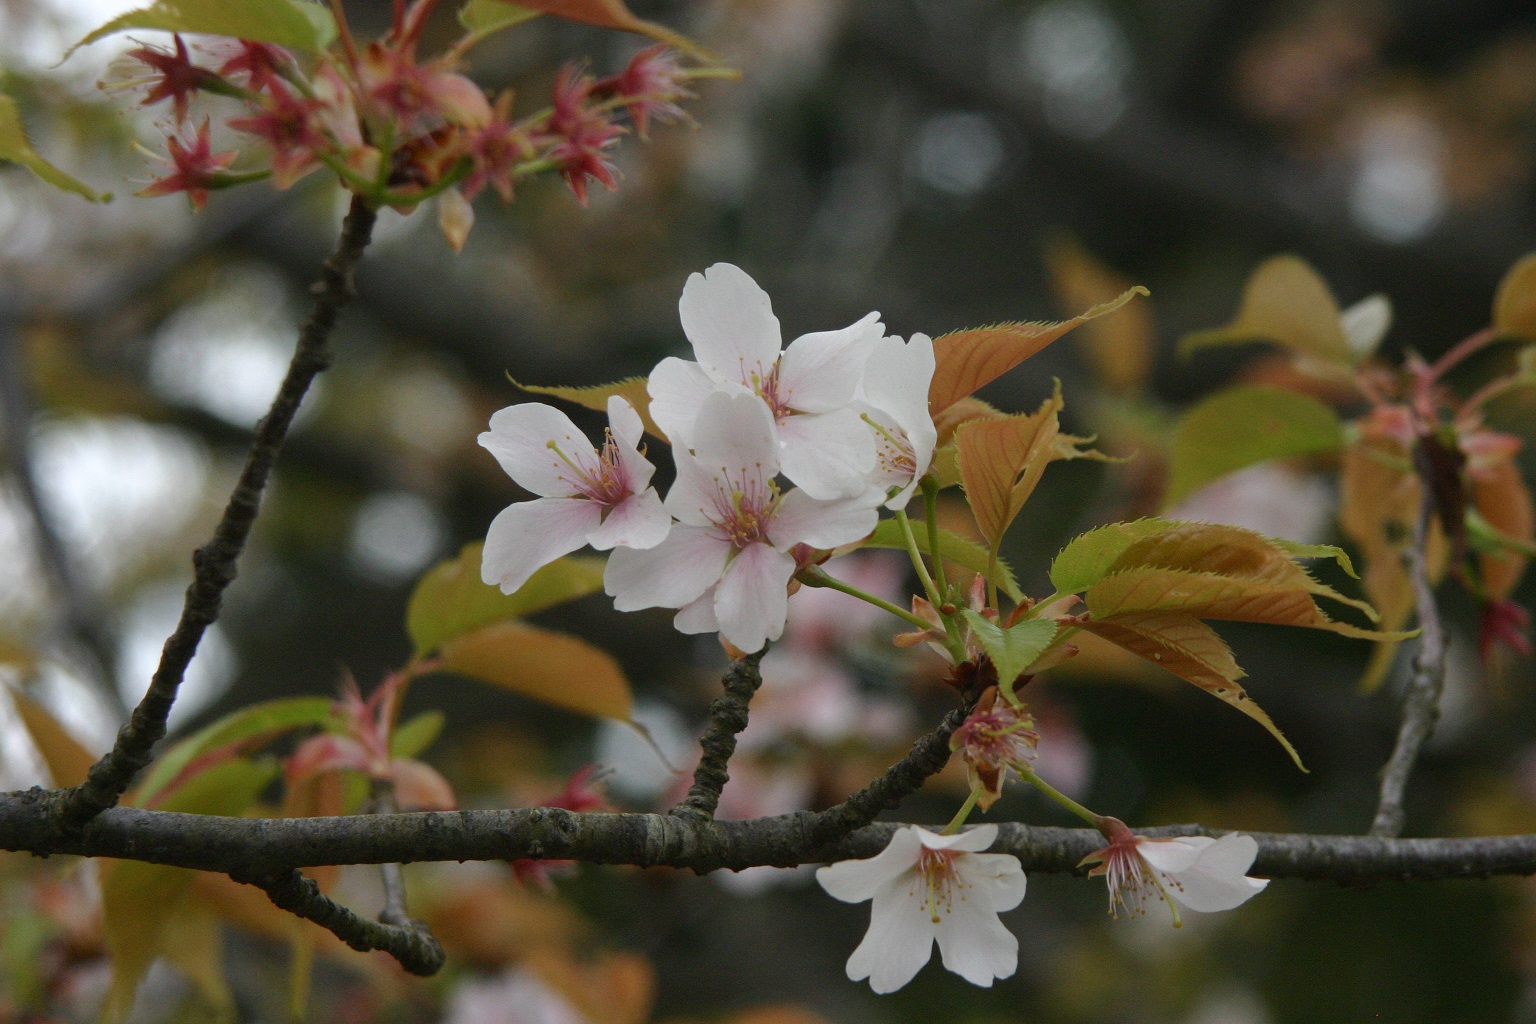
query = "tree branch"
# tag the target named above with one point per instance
(727, 718)
(1421, 703)
(407, 941)
(214, 564)
(252, 849)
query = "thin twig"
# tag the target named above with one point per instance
(214, 564)
(727, 718)
(1421, 703)
(390, 874)
(927, 758)
(410, 942)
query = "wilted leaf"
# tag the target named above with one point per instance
(1001, 461)
(15, 148)
(256, 724)
(967, 360)
(1191, 650)
(141, 902)
(1244, 426)
(1514, 304)
(952, 548)
(1504, 501)
(631, 389)
(615, 15)
(451, 598)
(413, 737)
(68, 762)
(481, 18)
(1285, 302)
(299, 24)
(555, 668)
(1013, 649)
(1120, 349)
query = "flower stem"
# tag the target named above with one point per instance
(833, 583)
(1057, 795)
(931, 516)
(917, 559)
(960, 815)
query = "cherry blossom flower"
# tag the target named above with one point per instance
(586, 496)
(262, 65)
(1197, 872)
(651, 84)
(994, 739)
(727, 565)
(172, 76)
(928, 888)
(197, 168)
(580, 135)
(290, 124)
(809, 387)
(894, 402)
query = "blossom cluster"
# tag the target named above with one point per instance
(392, 125)
(781, 455)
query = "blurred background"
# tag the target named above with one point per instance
(950, 163)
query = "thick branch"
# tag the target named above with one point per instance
(263, 848)
(1421, 703)
(214, 564)
(727, 718)
(406, 941)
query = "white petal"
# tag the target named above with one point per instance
(699, 616)
(802, 519)
(752, 601)
(820, 372)
(677, 388)
(696, 492)
(1218, 880)
(626, 423)
(1366, 323)
(638, 521)
(529, 535)
(669, 575)
(730, 322)
(1173, 855)
(998, 877)
(975, 944)
(520, 436)
(829, 454)
(734, 433)
(972, 840)
(854, 881)
(896, 380)
(900, 937)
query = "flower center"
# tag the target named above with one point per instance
(937, 868)
(1000, 738)
(603, 480)
(771, 392)
(893, 450)
(744, 512)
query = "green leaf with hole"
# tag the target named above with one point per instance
(299, 24)
(1014, 649)
(1244, 426)
(15, 148)
(952, 547)
(451, 599)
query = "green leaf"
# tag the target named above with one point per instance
(299, 24)
(144, 906)
(259, 722)
(552, 667)
(634, 390)
(952, 547)
(451, 599)
(410, 739)
(1014, 649)
(15, 148)
(1296, 549)
(1285, 302)
(1244, 426)
(1088, 558)
(481, 18)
